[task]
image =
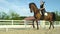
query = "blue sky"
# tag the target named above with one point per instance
(22, 6)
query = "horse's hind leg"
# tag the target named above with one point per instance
(53, 25)
(50, 24)
(33, 24)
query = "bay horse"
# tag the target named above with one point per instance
(38, 16)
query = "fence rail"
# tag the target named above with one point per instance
(13, 24)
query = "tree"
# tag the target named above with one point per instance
(57, 15)
(14, 15)
(4, 15)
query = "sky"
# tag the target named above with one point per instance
(22, 6)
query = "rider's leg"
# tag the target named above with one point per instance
(42, 13)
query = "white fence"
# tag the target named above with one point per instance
(3, 24)
(46, 24)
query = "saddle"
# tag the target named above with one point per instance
(42, 16)
(45, 14)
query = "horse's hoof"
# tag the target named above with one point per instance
(53, 27)
(33, 27)
(49, 27)
(37, 28)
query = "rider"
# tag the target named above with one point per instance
(42, 9)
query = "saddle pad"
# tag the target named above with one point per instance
(46, 14)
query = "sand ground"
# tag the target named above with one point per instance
(31, 31)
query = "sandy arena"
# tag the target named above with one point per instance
(31, 31)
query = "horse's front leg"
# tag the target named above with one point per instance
(33, 24)
(37, 24)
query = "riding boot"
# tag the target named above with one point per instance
(43, 16)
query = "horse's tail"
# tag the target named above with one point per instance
(54, 16)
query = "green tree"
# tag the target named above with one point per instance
(57, 15)
(4, 15)
(14, 15)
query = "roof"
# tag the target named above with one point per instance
(29, 18)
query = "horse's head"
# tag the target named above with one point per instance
(32, 7)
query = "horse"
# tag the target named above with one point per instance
(37, 15)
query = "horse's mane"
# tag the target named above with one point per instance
(32, 4)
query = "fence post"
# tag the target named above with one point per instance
(25, 23)
(6, 29)
(42, 23)
(59, 23)
(44, 26)
(39, 22)
(12, 22)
